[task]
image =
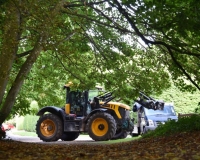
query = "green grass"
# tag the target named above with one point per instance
(120, 140)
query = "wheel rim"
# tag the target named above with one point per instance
(47, 128)
(99, 127)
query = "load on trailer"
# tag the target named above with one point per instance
(149, 119)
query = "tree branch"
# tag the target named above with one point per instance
(82, 3)
(25, 53)
(182, 69)
(147, 41)
(116, 26)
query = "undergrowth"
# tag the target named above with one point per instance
(184, 124)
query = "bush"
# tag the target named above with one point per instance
(19, 123)
(30, 122)
(185, 124)
(27, 123)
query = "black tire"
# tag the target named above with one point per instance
(139, 130)
(101, 126)
(69, 136)
(49, 127)
(120, 134)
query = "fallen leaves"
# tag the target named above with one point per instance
(175, 147)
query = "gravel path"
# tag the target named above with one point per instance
(81, 138)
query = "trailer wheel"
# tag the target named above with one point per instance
(69, 136)
(49, 127)
(120, 134)
(101, 126)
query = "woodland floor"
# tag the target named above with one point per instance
(182, 146)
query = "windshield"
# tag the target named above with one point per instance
(94, 93)
(168, 110)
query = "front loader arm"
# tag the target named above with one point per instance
(149, 102)
(106, 97)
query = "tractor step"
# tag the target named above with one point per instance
(72, 125)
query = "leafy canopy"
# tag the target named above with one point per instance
(126, 46)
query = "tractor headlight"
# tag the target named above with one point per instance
(150, 122)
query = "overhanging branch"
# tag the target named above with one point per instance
(24, 53)
(147, 41)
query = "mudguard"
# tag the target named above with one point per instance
(52, 109)
(94, 111)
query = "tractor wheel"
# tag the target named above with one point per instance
(101, 126)
(120, 134)
(49, 127)
(69, 136)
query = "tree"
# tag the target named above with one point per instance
(26, 31)
(93, 41)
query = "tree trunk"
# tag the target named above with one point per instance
(9, 46)
(14, 90)
(13, 27)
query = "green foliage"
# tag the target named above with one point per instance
(26, 123)
(34, 107)
(184, 102)
(184, 124)
(29, 123)
(86, 44)
(19, 123)
(172, 23)
(133, 115)
(120, 140)
(197, 110)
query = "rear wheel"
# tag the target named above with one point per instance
(101, 126)
(120, 134)
(69, 136)
(49, 127)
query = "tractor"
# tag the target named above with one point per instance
(101, 118)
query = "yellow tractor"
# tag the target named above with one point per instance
(101, 118)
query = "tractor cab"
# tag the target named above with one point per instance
(81, 103)
(77, 102)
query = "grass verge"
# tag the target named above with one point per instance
(120, 140)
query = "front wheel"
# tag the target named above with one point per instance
(49, 127)
(101, 126)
